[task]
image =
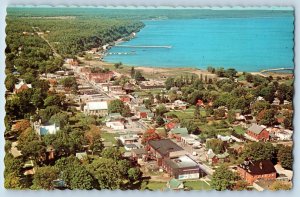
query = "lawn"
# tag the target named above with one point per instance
(239, 130)
(153, 185)
(197, 185)
(182, 114)
(109, 137)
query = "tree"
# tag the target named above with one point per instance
(111, 153)
(93, 135)
(285, 157)
(160, 110)
(259, 151)
(10, 82)
(44, 176)
(53, 100)
(216, 145)
(231, 116)
(197, 112)
(126, 112)
(191, 126)
(69, 82)
(61, 119)
(21, 126)
(223, 179)
(148, 135)
(169, 83)
(118, 65)
(138, 76)
(267, 117)
(240, 185)
(132, 72)
(116, 106)
(134, 174)
(279, 185)
(74, 174)
(107, 172)
(159, 121)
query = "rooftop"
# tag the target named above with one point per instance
(181, 162)
(256, 128)
(182, 131)
(164, 146)
(100, 105)
(258, 167)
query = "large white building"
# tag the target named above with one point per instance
(98, 108)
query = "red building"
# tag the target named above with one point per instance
(258, 133)
(101, 77)
(251, 171)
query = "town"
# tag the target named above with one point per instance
(76, 122)
(177, 142)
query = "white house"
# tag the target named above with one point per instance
(128, 139)
(284, 135)
(99, 108)
(22, 85)
(46, 129)
(115, 125)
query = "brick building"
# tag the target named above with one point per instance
(258, 133)
(251, 171)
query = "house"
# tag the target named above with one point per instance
(137, 154)
(180, 104)
(181, 167)
(163, 148)
(224, 138)
(200, 103)
(144, 113)
(114, 117)
(190, 140)
(177, 133)
(251, 171)
(276, 101)
(128, 139)
(213, 158)
(237, 148)
(284, 135)
(50, 152)
(172, 125)
(45, 129)
(98, 108)
(175, 184)
(125, 98)
(257, 133)
(21, 86)
(130, 147)
(115, 125)
(81, 156)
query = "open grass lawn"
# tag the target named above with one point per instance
(239, 130)
(197, 185)
(181, 114)
(153, 185)
(109, 137)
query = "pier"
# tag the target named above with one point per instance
(145, 46)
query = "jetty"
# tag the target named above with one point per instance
(145, 46)
(276, 69)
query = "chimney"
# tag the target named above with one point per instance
(260, 165)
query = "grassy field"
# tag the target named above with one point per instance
(151, 185)
(109, 137)
(197, 185)
(239, 130)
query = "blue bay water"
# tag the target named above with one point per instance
(246, 44)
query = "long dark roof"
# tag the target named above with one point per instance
(164, 146)
(258, 167)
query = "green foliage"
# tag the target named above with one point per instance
(44, 176)
(222, 179)
(74, 174)
(285, 157)
(69, 82)
(107, 172)
(216, 145)
(134, 174)
(159, 121)
(111, 152)
(138, 76)
(115, 106)
(258, 151)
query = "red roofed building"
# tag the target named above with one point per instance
(21, 86)
(125, 99)
(200, 103)
(251, 171)
(258, 133)
(100, 77)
